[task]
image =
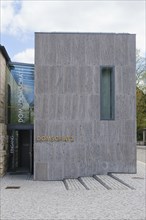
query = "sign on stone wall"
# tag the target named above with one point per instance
(54, 138)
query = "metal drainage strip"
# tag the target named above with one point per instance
(12, 187)
(137, 177)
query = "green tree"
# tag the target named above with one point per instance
(140, 94)
(140, 71)
(141, 112)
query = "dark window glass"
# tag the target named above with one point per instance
(107, 93)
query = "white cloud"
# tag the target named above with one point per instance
(90, 16)
(26, 56)
(7, 14)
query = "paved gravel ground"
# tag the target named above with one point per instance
(141, 153)
(116, 197)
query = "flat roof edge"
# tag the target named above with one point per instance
(84, 33)
(20, 63)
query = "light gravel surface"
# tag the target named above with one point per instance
(51, 200)
(141, 153)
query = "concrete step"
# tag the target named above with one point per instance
(110, 182)
(74, 184)
(92, 183)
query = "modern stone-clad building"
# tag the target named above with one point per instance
(84, 105)
(81, 121)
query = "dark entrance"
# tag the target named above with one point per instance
(25, 151)
(21, 150)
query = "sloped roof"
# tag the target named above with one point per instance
(5, 54)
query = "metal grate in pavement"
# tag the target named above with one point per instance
(12, 187)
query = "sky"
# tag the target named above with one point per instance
(21, 18)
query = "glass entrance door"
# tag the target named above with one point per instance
(21, 150)
(24, 149)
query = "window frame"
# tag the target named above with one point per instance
(112, 87)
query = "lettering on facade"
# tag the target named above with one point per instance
(20, 99)
(12, 144)
(55, 138)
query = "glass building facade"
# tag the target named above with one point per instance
(21, 94)
(20, 107)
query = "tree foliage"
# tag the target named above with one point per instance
(140, 94)
(140, 72)
(141, 108)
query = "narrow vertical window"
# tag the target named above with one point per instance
(107, 93)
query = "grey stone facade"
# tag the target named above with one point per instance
(67, 103)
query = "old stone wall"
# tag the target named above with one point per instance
(3, 148)
(67, 103)
(3, 127)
